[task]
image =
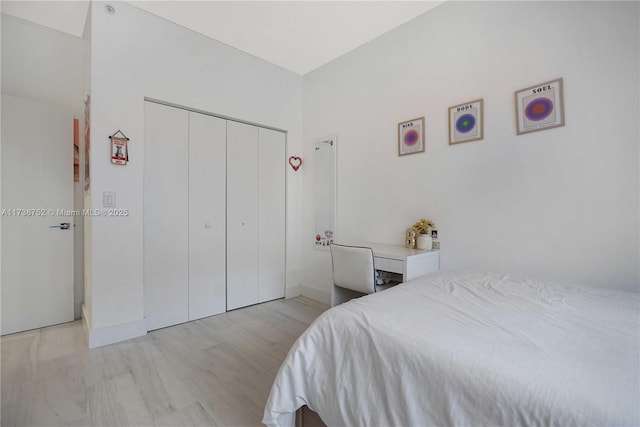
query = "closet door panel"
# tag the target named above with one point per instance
(165, 227)
(272, 234)
(207, 226)
(242, 215)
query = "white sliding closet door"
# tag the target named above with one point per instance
(271, 236)
(242, 215)
(214, 215)
(207, 227)
(166, 218)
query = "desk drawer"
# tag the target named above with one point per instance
(387, 264)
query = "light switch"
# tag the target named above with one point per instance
(109, 199)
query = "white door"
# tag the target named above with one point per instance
(37, 177)
(166, 215)
(207, 223)
(242, 215)
(272, 214)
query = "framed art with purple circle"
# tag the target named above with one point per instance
(411, 137)
(540, 107)
(466, 122)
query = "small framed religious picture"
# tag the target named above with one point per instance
(411, 137)
(466, 122)
(119, 150)
(540, 107)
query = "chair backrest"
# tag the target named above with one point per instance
(353, 268)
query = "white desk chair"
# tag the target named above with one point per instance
(354, 273)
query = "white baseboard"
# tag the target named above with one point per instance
(316, 294)
(292, 291)
(113, 334)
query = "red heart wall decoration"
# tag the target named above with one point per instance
(295, 162)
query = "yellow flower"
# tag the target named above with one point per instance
(423, 226)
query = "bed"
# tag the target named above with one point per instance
(467, 349)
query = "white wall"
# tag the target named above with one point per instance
(560, 204)
(45, 64)
(135, 54)
(41, 63)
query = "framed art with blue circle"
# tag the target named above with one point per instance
(411, 136)
(540, 107)
(466, 122)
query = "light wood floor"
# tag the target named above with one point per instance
(212, 372)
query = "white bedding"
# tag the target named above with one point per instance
(470, 349)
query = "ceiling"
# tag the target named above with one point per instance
(299, 36)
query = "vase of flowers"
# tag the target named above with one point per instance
(423, 230)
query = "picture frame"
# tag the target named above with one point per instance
(540, 107)
(119, 151)
(87, 144)
(411, 137)
(76, 150)
(466, 122)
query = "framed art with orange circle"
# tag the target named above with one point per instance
(411, 136)
(540, 107)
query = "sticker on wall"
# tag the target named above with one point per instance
(119, 151)
(295, 162)
(540, 107)
(466, 122)
(326, 240)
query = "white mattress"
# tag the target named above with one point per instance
(470, 349)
